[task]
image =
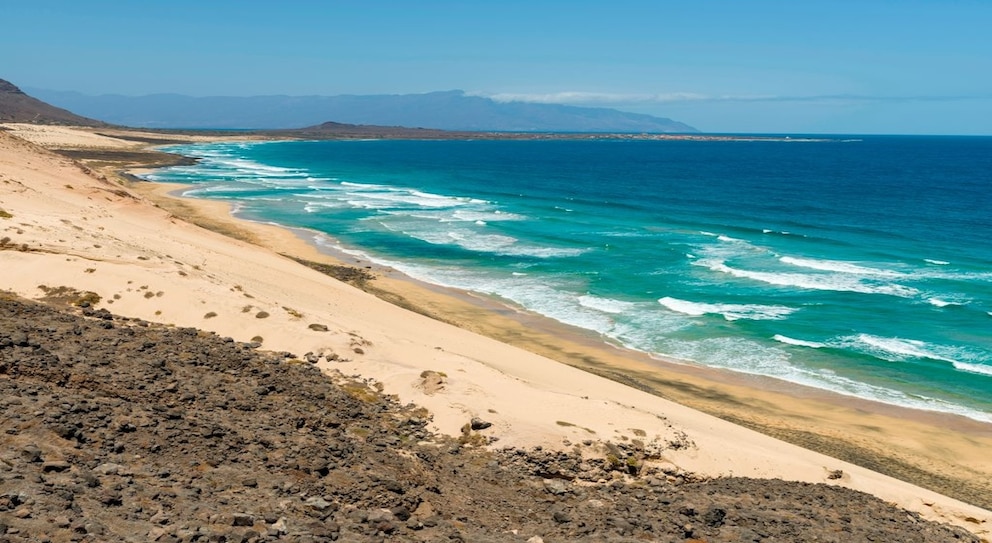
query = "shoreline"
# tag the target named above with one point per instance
(547, 327)
(887, 438)
(748, 346)
(431, 294)
(74, 225)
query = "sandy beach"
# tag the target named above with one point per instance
(147, 253)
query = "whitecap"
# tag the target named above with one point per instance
(836, 282)
(938, 302)
(471, 240)
(896, 349)
(799, 342)
(980, 369)
(936, 262)
(838, 266)
(484, 215)
(730, 312)
(367, 186)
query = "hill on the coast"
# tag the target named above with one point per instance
(18, 107)
(117, 429)
(448, 110)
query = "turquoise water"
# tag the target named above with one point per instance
(859, 265)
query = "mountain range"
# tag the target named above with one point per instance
(446, 110)
(18, 107)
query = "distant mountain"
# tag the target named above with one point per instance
(448, 110)
(17, 107)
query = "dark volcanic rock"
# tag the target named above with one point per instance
(140, 432)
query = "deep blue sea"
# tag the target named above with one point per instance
(860, 265)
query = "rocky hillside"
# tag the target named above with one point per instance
(115, 429)
(17, 107)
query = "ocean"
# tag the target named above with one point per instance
(860, 265)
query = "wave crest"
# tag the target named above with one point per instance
(730, 312)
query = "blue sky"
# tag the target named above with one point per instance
(802, 66)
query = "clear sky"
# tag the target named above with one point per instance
(799, 66)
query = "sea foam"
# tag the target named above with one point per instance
(836, 282)
(939, 302)
(839, 267)
(799, 342)
(981, 369)
(606, 305)
(730, 312)
(896, 349)
(748, 357)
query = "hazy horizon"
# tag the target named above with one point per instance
(915, 67)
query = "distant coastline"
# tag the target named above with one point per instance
(334, 130)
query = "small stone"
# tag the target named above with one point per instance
(88, 478)
(714, 517)
(317, 503)
(243, 519)
(380, 515)
(561, 517)
(57, 466)
(555, 486)
(110, 498)
(401, 513)
(479, 424)
(109, 468)
(31, 453)
(279, 526)
(156, 533)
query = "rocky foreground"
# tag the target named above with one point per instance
(114, 429)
